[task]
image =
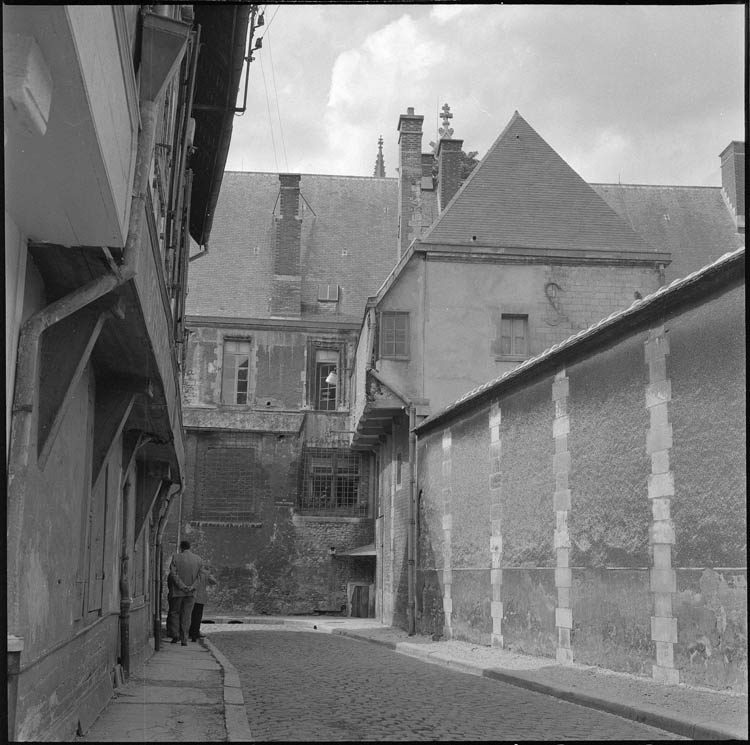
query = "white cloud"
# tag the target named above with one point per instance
(447, 12)
(651, 93)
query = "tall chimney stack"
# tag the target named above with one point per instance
(733, 181)
(449, 161)
(287, 280)
(410, 179)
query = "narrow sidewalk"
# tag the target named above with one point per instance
(179, 694)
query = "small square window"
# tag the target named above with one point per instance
(394, 335)
(328, 293)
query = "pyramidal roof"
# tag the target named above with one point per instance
(524, 195)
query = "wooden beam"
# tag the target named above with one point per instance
(66, 350)
(150, 491)
(111, 411)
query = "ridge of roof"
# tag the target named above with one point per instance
(653, 186)
(607, 321)
(315, 175)
(524, 193)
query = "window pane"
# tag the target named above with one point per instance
(394, 335)
(326, 393)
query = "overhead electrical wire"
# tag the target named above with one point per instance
(268, 107)
(276, 96)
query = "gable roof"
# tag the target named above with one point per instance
(349, 239)
(524, 195)
(693, 223)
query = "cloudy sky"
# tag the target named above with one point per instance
(637, 94)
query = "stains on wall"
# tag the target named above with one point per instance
(470, 591)
(610, 515)
(711, 610)
(529, 599)
(611, 619)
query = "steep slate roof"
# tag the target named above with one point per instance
(349, 238)
(692, 222)
(523, 194)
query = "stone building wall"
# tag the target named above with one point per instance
(596, 512)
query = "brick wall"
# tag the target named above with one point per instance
(266, 558)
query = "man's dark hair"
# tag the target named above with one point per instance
(184, 545)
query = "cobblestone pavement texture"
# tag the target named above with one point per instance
(326, 687)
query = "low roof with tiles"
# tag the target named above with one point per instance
(349, 239)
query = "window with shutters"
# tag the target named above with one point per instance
(235, 376)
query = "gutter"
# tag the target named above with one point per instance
(159, 562)
(411, 535)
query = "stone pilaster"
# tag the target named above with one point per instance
(661, 493)
(561, 505)
(496, 532)
(447, 530)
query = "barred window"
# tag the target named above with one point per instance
(331, 482)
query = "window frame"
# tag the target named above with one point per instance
(383, 340)
(224, 396)
(513, 353)
(312, 392)
(338, 467)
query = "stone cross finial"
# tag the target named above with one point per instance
(445, 131)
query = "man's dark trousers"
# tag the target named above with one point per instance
(184, 609)
(195, 621)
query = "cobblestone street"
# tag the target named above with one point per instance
(303, 686)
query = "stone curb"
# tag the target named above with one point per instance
(695, 730)
(235, 715)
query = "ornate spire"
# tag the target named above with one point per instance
(445, 131)
(379, 171)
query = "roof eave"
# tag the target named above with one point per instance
(727, 271)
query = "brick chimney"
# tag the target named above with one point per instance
(449, 161)
(410, 178)
(449, 170)
(287, 281)
(733, 181)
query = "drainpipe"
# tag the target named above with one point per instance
(411, 548)
(412, 537)
(125, 599)
(158, 564)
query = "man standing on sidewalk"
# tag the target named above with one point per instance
(184, 570)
